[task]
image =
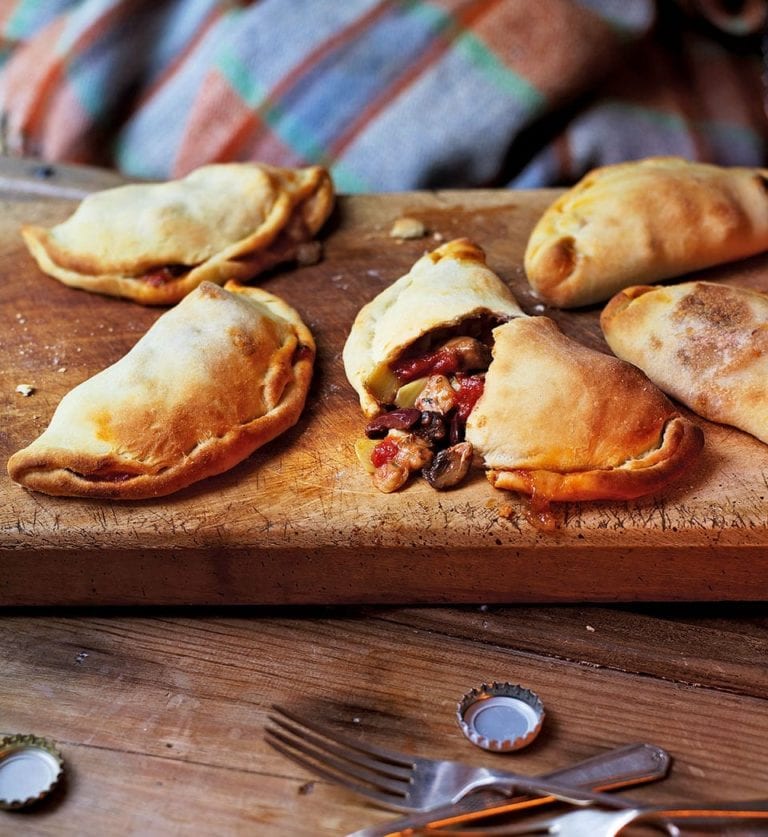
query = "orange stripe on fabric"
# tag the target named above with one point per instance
(222, 128)
(173, 66)
(30, 77)
(557, 47)
(464, 17)
(316, 55)
(69, 133)
(217, 116)
(36, 71)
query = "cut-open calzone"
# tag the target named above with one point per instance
(559, 421)
(704, 343)
(645, 221)
(416, 356)
(155, 242)
(213, 379)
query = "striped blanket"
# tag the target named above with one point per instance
(389, 94)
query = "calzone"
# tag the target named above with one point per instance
(704, 343)
(215, 377)
(645, 221)
(155, 242)
(560, 421)
(416, 356)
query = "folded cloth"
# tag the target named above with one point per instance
(389, 94)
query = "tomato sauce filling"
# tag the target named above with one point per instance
(428, 434)
(163, 275)
(384, 451)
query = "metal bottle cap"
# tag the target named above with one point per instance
(30, 767)
(501, 716)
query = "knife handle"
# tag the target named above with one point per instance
(630, 765)
(633, 764)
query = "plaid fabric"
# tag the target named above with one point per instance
(389, 94)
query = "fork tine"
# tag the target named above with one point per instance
(389, 800)
(346, 768)
(388, 756)
(343, 748)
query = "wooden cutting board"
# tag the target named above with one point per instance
(299, 522)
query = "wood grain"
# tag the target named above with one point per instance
(299, 522)
(160, 716)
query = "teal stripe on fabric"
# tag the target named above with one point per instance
(481, 57)
(253, 94)
(243, 83)
(29, 16)
(500, 75)
(731, 130)
(433, 16)
(671, 121)
(130, 157)
(347, 181)
(674, 122)
(290, 131)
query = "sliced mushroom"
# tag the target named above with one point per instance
(413, 452)
(437, 396)
(472, 354)
(449, 466)
(390, 476)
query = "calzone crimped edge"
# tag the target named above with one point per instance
(215, 377)
(154, 242)
(559, 421)
(642, 222)
(704, 343)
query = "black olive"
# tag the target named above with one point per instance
(378, 427)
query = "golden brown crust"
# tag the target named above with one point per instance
(443, 289)
(643, 221)
(681, 443)
(223, 221)
(570, 423)
(216, 377)
(704, 343)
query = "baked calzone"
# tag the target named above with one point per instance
(155, 242)
(704, 343)
(215, 377)
(416, 356)
(560, 421)
(645, 221)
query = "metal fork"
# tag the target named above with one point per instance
(599, 822)
(414, 784)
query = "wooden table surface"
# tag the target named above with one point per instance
(160, 712)
(299, 522)
(160, 715)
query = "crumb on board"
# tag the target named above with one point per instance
(308, 253)
(407, 227)
(25, 389)
(306, 788)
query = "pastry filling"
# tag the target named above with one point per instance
(438, 384)
(161, 276)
